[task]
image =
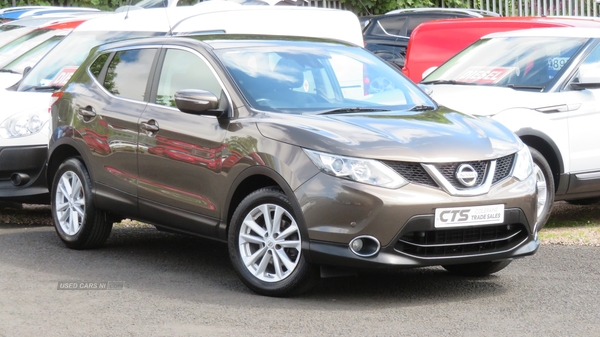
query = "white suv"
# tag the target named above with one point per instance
(544, 85)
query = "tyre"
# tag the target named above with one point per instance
(479, 269)
(584, 202)
(78, 223)
(265, 246)
(545, 187)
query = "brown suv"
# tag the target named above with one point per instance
(304, 155)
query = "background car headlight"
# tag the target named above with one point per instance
(22, 125)
(523, 164)
(365, 171)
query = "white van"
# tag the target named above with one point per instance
(24, 118)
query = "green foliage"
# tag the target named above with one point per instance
(366, 7)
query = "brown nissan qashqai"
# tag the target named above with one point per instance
(304, 155)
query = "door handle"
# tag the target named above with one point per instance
(87, 112)
(149, 126)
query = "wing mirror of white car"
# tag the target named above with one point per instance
(428, 71)
(426, 89)
(198, 102)
(588, 77)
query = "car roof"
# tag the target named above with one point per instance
(472, 23)
(152, 19)
(573, 32)
(472, 12)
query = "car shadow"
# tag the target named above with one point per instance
(197, 269)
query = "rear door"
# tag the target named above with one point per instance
(107, 122)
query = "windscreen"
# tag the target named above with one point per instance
(305, 77)
(521, 61)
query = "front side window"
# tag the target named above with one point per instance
(128, 72)
(518, 62)
(184, 70)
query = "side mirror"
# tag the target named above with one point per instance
(426, 89)
(198, 102)
(26, 71)
(588, 78)
(428, 71)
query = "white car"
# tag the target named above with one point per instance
(544, 85)
(24, 115)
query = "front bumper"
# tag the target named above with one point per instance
(442, 247)
(30, 163)
(336, 211)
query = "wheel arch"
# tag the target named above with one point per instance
(58, 155)
(252, 179)
(548, 148)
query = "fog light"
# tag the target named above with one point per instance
(364, 246)
(356, 245)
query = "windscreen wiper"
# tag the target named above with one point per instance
(347, 110)
(47, 87)
(421, 108)
(9, 71)
(526, 87)
(447, 82)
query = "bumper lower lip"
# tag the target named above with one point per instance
(470, 249)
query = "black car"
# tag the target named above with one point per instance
(387, 35)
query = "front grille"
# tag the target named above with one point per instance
(503, 167)
(462, 241)
(413, 172)
(449, 172)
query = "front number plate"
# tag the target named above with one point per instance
(468, 216)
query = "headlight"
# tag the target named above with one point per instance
(523, 164)
(22, 125)
(366, 171)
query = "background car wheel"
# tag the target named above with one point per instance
(78, 223)
(545, 185)
(584, 202)
(477, 269)
(265, 246)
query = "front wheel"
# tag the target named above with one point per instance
(78, 223)
(479, 269)
(265, 246)
(545, 187)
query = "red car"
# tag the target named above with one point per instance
(434, 42)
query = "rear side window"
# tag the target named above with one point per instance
(128, 72)
(390, 26)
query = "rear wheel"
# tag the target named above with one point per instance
(265, 246)
(78, 223)
(477, 269)
(545, 187)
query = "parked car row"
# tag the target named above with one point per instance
(309, 155)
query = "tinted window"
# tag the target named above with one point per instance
(415, 21)
(184, 70)
(127, 73)
(390, 26)
(96, 67)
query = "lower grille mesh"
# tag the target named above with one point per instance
(461, 242)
